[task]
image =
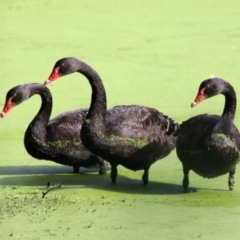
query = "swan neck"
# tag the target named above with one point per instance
(230, 103)
(98, 104)
(39, 123)
(225, 124)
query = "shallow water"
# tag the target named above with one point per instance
(147, 53)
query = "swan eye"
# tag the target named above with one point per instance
(63, 67)
(16, 98)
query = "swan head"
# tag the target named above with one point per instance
(15, 96)
(209, 88)
(63, 67)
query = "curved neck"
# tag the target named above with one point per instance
(226, 123)
(38, 125)
(230, 102)
(98, 101)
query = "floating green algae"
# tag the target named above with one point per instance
(60, 144)
(139, 143)
(151, 53)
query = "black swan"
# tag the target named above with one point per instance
(209, 144)
(132, 136)
(57, 140)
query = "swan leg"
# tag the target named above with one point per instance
(185, 182)
(76, 169)
(102, 169)
(231, 180)
(114, 173)
(145, 175)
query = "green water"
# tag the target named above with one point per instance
(153, 53)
